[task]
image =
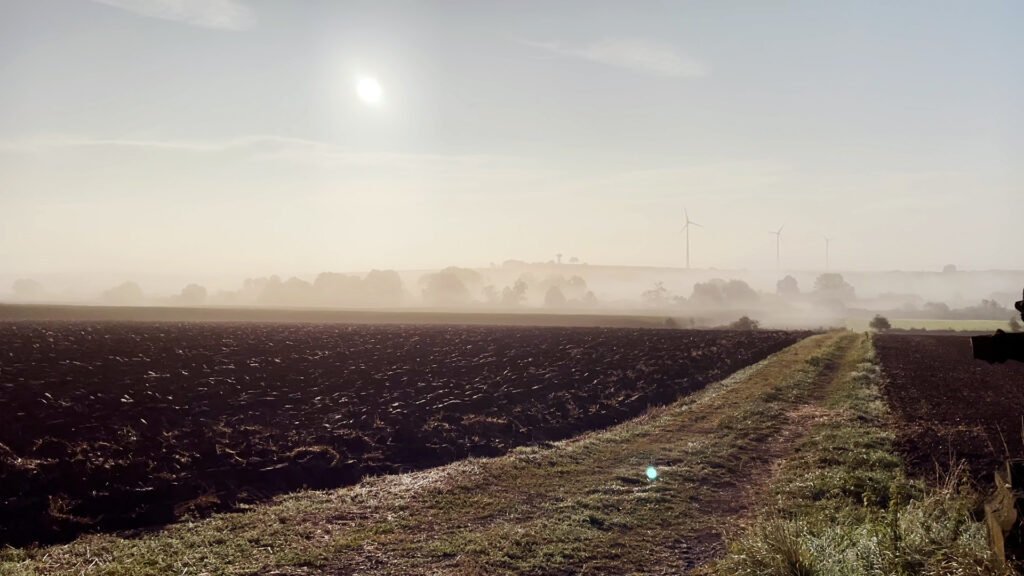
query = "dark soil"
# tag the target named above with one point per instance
(952, 407)
(121, 425)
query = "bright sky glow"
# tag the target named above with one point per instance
(242, 138)
(369, 90)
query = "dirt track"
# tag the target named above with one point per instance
(951, 406)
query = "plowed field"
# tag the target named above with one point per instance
(950, 406)
(120, 425)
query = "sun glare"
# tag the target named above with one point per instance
(369, 90)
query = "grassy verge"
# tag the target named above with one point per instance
(861, 324)
(842, 505)
(580, 506)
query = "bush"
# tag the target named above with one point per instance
(880, 323)
(745, 323)
(1014, 324)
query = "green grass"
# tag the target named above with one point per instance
(842, 505)
(861, 324)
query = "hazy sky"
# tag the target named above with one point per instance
(226, 137)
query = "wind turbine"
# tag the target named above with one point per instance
(778, 244)
(686, 228)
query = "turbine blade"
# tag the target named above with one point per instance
(697, 225)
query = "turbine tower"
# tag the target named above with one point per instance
(778, 244)
(686, 228)
(827, 241)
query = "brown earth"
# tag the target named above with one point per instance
(119, 425)
(951, 407)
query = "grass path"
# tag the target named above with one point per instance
(583, 506)
(842, 503)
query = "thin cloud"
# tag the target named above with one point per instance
(632, 54)
(219, 14)
(270, 148)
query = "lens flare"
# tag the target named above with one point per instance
(652, 473)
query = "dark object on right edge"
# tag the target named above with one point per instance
(1001, 346)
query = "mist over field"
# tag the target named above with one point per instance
(685, 298)
(686, 160)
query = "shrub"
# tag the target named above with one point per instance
(745, 323)
(880, 323)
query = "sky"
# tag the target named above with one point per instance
(222, 138)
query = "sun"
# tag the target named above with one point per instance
(369, 90)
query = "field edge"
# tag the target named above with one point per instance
(845, 504)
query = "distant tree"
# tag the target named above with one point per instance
(292, 292)
(575, 287)
(949, 269)
(738, 292)
(514, 295)
(228, 297)
(1014, 324)
(708, 293)
(252, 290)
(832, 286)
(880, 323)
(383, 288)
(27, 289)
(547, 282)
(589, 299)
(334, 289)
(717, 292)
(469, 277)
(490, 294)
(987, 310)
(657, 296)
(787, 287)
(745, 323)
(267, 290)
(554, 298)
(574, 260)
(445, 288)
(192, 295)
(125, 294)
(936, 310)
